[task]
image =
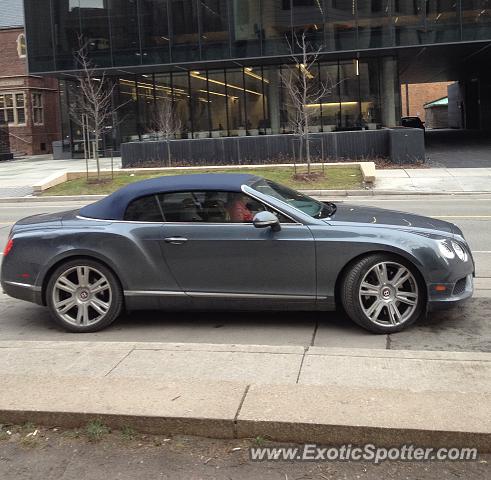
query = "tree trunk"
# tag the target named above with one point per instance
(96, 156)
(169, 163)
(307, 143)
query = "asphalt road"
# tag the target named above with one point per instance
(465, 328)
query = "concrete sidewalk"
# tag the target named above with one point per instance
(325, 395)
(17, 177)
(434, 180)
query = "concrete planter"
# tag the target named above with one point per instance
(271, 149)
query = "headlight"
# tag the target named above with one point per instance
(445, 249)
(460, 251)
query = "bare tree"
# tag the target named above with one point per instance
(304, 89)
(166, 124)
(92, 100)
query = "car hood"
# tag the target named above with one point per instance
(373, 216)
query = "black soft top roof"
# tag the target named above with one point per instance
(113, 207)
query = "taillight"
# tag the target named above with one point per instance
(8, 247)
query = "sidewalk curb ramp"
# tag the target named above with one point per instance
(333, 396)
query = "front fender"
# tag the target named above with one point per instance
(338, 246)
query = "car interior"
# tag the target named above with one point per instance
(200, 206)
(211, 207)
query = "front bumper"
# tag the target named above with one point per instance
(23, 291)
(455, 293)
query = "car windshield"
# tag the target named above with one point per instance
(302, 202)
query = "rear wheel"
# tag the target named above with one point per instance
(382, 293)
(84, 296)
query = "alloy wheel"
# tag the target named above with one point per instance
(388, 294)
(82, 295)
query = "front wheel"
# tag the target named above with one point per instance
(382, 294)
(84, 296)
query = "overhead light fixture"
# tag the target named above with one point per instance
(357, 67)
(248, 71)
(305, 70)
(218, 94)
(330, 104)
(149, 86)
(196, 74)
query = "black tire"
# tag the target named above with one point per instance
(115, 294)
(350, 293)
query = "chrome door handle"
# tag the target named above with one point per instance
(175, 240)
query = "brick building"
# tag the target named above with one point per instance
(415, 96)
(29, 103)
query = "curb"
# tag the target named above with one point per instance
(54, 198)
(329, 412)
(276, 431)
(318, 193)
(250, 412)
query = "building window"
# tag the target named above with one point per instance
(12, 108)
(37, 108)
(21, 45)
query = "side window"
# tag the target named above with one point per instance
(211, 207)
(145, 209)
(180, 207)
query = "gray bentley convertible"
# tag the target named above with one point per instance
(235, 242)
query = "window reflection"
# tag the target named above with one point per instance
(476, 19)
(155, 31)
(185, 36)
(66, 20)
(180, 92)
(329, 104)
(124, 33)
(409, 22)
(309, 16)
(134, 32)
(441, 21)
(214, 29)
(255, 103)
(272, 96)
(375, 24)
(199, 103)
(220, 101)
(369, 94)
(276, 26)
(41, 48)
(235, 86)
(341, 24)
(246, 28)
(146, 98)
(350, 115)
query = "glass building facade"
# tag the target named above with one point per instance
(220, 62)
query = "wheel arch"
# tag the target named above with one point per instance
(75, 256)
(398, 254)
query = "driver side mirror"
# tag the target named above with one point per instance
(267, 219)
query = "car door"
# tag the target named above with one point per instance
(211, 255)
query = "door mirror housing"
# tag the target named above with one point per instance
(267, 219)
